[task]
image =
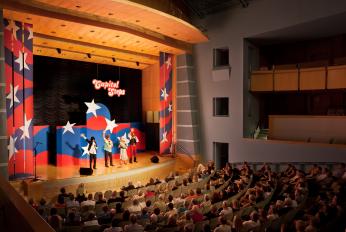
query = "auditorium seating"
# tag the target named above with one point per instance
(263, 197)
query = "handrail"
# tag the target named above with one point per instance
(19, 215)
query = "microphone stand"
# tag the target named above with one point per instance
(35, 167)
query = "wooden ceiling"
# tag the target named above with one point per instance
(114, 32)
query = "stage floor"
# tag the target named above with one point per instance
(111, 178)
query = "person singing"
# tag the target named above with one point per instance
(133, 142)
(92, 149)
(123, 150)
(107, 147)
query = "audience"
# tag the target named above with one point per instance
(229, 199)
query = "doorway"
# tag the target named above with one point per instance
(220, 151)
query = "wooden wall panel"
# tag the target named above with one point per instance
(262, 81)
(151, 88)
(336, 77)
(312, 78)
(286, 80)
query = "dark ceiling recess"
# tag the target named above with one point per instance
(202, 8)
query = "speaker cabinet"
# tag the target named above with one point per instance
(85, 171)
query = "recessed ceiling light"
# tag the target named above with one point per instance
(110, 14)
(137, 21)
(92, 31)
(124, 46)
(80, 37)
(53, 32)
(137, 41)
(45, 43)
(28, 18)
(175, 34)
(158, 28)
(103, 42)
(63, 25)
(142, 50)
(78, 6)
(155, 46)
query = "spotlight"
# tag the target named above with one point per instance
(113, 59)
(88, 55)
(58, 50)
(137, 63)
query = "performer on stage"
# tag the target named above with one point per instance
(133, 142)
(107, 147)
(92, 148)
(123, 150)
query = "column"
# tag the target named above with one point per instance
(188, 141)
(3, 117)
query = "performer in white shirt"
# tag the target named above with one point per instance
(107, 147)
(92, 149)
(123, 150)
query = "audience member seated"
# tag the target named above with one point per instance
(133, 226)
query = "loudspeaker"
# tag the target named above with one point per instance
(155, 159)
(86, 171)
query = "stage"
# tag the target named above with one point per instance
(111, 178)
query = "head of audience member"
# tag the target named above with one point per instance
(90, 196)
(118, 208)
(133, 218)
(300, 226)
(126, 215)
(170, 198)
(122, 194)
(157, 211)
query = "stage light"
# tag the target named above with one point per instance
(88, 55)
(137, 63)
(113, 59)
(58, 50)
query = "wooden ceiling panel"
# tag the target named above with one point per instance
(129, 12)
(120, 29)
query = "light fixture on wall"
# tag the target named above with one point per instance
(88, 55)
(137, 63)
(58, 50)
(113, 59)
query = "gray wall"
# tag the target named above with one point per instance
(229, 29)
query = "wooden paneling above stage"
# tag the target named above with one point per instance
(124, 30)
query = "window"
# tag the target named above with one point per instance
(220, 154)
(221, 57)
(220, 106)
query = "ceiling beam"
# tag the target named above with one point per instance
(94, 46)
(45, 10)
(96, 55)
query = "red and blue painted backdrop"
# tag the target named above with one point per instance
(71, 147)
(18, 41)
(166, 76)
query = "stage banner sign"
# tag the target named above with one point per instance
(18, 41)
(166, 78)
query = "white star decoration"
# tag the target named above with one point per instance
(164, 93)
(31, 33)
(13, 92)
(170, 108)
(164, 137)
(25, 128)
(12, 147)
(68, 127)
(13, 28)
(168, 62)
(22, 62)
(110, 125)
(85, 150)
(92, 107)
